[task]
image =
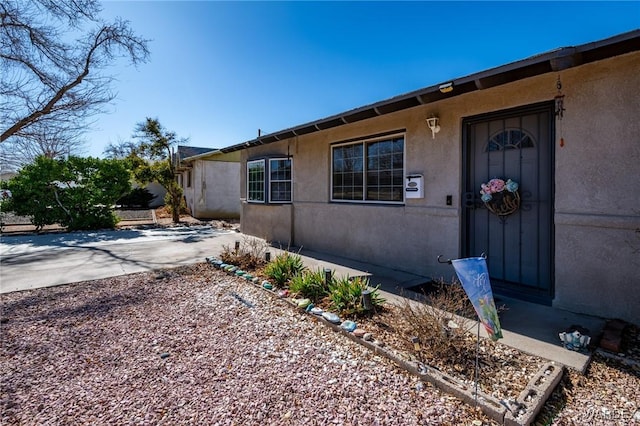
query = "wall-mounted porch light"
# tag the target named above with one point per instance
(434, 124)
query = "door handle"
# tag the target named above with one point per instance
(470, 201)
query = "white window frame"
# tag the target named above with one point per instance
(364, 142)
(264, 172)
(267, 181)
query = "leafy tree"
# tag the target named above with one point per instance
(52, 54)
(78, 193)
(152, 160)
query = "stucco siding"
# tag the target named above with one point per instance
(406, 238)
(272, 223)
(597, 199)
(597, 190)
(214, 192)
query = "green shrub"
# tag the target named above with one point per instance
(310, 285)
(283, 268)
(93, 217)
(77, 193)
(136, 198)
(346, 295)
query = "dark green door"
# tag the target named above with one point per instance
(518, 145)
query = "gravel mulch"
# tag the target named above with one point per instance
(196, 346)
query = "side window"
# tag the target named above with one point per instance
(280, 180)
(255, 181)
(270, 180)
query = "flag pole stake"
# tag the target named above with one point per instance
(477, 362)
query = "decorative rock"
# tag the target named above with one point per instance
(317, 311)
(348, 325)
(282, 294)
(574, 341)
(358, 332)
(267, 285)
(367, 336)
(302, 303)
(164, 355)
(255, 280)
(309, 307)
(240, 272)
(331, 317)
(248, 277)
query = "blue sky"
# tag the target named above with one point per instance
(219, 71)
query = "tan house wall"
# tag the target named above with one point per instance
(597, 200)
(215, 189)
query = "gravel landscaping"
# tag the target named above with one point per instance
(194, 345)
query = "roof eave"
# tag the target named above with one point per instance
(552, 61)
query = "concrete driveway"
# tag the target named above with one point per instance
(33, 261)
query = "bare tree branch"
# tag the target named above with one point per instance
(47, 81)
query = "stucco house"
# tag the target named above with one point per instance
(389, 184)
(210, 180)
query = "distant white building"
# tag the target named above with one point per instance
(210, 180)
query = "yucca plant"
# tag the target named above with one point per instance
(346, 295)
(284, 267)
(310, 284)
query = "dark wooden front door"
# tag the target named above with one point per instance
(514, 144)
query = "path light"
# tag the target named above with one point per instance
(434, 124)
(327, 276)
(367, 303)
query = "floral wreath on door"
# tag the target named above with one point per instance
(501, 198)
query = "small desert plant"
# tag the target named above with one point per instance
(283, 268)
(249, 256)
(310, 284)
(346, 295)
(442, 325)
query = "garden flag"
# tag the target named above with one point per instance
(474, 276)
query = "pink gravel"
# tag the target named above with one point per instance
(195, 346)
